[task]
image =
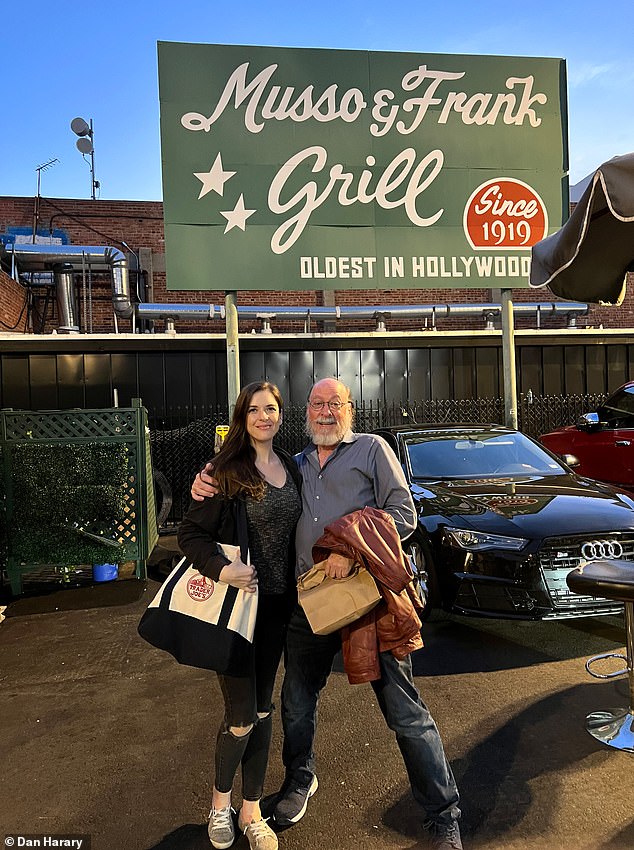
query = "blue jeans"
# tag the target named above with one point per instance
(309, 659)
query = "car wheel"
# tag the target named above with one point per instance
(425, 580)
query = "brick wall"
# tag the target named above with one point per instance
(140, 224)
(12, 305)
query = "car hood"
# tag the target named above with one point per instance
(548, 506)
(565, 429)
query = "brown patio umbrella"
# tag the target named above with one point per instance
(589, 257)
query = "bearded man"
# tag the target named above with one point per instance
(343, 472)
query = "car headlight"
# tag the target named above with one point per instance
(475, 541)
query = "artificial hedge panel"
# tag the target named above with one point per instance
(65, 498)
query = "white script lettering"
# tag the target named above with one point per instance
(264, 101)
(311, 198)
(493, 200)
(479, 108)
(279, 103)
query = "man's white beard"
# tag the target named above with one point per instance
(330, 438)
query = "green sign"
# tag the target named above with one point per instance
(288, 169)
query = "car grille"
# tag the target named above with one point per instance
(559, 555)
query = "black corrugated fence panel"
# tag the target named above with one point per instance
(43, 374)
(71, 382)
(182, 376)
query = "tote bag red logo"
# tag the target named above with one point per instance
(200, 588)
(504, 214)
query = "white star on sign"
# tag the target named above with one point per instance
(237, 216)
(213, 180)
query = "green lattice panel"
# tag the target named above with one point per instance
(152, 526)
(133, 531)
(123, 531)
(69, 425)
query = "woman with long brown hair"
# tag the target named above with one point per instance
(257, 509)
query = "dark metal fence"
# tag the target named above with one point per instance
(539, 414)
(184, 438)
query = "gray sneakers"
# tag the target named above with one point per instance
(260, 835)
(445, 836)
(293, 801)
(221, 831)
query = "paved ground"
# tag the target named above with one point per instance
(102, 734)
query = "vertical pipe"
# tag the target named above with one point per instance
(629, 644)
(233, 349)
(93, 184)
(67, 311)
(508, 361)
(83, 292)
(36, 205)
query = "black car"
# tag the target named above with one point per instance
(502, 521)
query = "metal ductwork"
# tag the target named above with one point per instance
(487, 311)
(67, 307)
(66, 259)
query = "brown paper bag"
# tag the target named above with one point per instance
(330, 604)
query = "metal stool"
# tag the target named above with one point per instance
(611, 580)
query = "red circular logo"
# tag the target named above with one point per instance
(504, 213)
(200, 588)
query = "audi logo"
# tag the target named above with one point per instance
(595, 549)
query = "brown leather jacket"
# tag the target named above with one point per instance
(370, 537)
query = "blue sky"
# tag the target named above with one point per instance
(98, 60)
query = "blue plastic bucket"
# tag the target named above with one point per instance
(105, 572)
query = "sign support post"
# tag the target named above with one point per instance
(233, 348)
(508, 360)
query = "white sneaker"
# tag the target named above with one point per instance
(221, 831)
(260, 835)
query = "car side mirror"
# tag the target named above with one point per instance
(589, 422)
(570, 460)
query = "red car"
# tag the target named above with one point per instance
(603, 441)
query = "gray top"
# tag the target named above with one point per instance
(363, 471)
(270, 524)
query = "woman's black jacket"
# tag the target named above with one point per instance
(222, 520)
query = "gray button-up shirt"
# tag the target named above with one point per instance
(363, 471)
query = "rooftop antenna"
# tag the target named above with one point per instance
(85, 145)
(36, 210)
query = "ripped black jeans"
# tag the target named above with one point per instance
(248, 696)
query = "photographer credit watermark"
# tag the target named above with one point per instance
(73, 842)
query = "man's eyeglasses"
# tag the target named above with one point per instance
(334, 406)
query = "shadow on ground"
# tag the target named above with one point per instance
(194, 836)
(547, 741)
(190, 836)
(480, 645)
(100, 595)
(625, 838)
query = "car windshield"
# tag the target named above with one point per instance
(618, 410)
(477, 454)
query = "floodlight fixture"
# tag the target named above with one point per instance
(80, 127)
(85, 145)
